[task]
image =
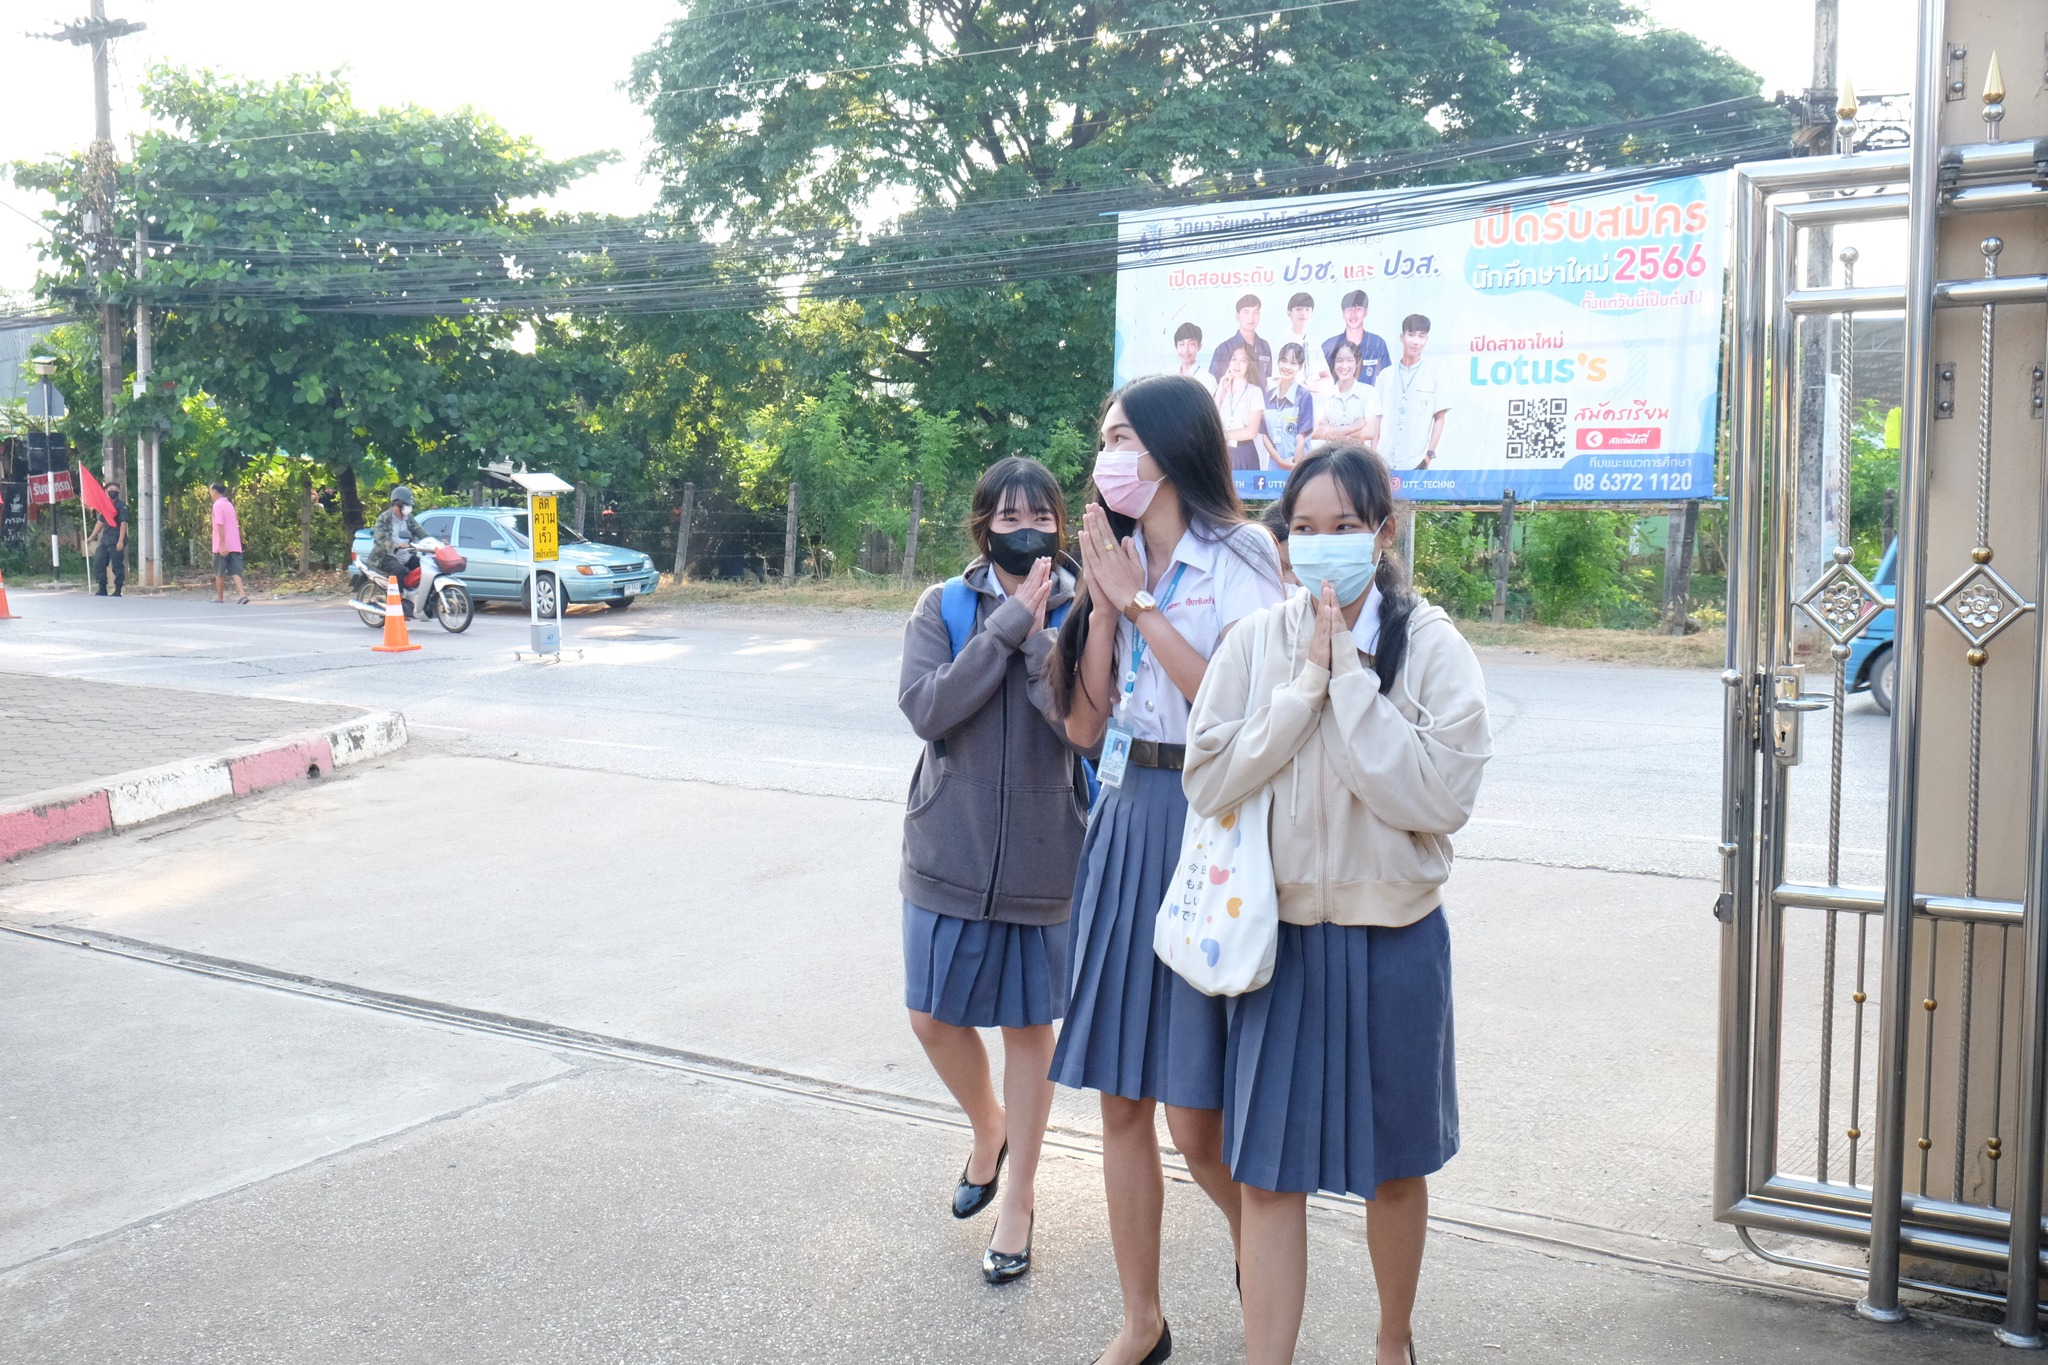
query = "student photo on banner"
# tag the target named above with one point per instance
(1315, 366)
(1350, 411)
(1241, 402)
(1187, 345)
(1416, 399)
(1373, 356)
(1247, 334)
(1290, 411)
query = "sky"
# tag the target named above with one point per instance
(553, 72)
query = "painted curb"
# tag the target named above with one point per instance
(121, 803)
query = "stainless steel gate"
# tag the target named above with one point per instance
(1884, 949)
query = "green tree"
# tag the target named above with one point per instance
(803, 123)
(275, 208)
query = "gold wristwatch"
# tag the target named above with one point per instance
(1142, 601)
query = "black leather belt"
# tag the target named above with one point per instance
(1150, 753)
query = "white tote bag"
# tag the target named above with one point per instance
(1219, 924)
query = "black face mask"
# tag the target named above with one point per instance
(1014, 552)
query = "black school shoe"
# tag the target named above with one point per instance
(970, 1199)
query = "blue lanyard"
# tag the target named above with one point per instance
(1138, 647)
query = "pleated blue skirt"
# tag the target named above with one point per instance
(1134, 1028)
(1340, 1070)
(981, 973)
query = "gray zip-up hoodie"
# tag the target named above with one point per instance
(998, 803)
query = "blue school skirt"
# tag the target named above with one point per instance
(1134, 1028)
(1340, 1072)
(981, 973)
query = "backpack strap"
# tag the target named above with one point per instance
(956, 609)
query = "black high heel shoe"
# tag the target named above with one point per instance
(1161, 1348)
(970, 1199)
(1001, 1267)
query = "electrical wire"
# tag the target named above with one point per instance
(529, 266)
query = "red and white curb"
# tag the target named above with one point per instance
(120, 803)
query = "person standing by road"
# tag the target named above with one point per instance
(1168, 564)
(227, 547)
(991, 839)
(112, 551)
(1364, 711)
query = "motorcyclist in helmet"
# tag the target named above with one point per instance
(391, 539)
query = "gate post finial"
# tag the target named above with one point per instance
(1994, 99)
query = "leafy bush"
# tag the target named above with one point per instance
(1574, 561)
(1454, 560)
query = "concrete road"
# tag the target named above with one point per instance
(293, 1079)
(1597, 765)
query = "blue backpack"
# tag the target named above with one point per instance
(957, 610)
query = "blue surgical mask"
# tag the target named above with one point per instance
(1347, 563)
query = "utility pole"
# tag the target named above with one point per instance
(97, 32)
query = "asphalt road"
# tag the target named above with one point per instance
(298, 1067)
(1596, 766)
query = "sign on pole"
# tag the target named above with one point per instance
(1560, 340)
(547, 530)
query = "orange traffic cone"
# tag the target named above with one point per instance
(395, 639)
(5, 614)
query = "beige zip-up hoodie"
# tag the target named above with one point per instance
(1367, 788)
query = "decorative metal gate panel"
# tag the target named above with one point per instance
(1883, 1033)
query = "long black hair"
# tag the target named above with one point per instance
(1177, 420)
(1363, 479)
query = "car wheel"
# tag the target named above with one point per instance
(370, 605)
(1882, 671)
(452, 604)
(545, 591)
(621, 604)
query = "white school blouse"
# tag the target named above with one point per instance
(1221, 585)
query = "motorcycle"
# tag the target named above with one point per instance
(430, 589)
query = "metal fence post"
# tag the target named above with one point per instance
(1501, 556)
(683, 530)
(910, 535)
(1895, 1015)
(789, 540)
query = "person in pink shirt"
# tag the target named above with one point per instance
(227, 547)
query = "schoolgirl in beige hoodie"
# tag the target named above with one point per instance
(1365, 711)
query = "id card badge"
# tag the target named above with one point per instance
(1116, 756)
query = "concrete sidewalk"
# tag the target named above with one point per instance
(79, 758)
(579, 1209)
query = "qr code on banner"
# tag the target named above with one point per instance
(1536, 428)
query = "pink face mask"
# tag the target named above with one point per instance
(1116, 478)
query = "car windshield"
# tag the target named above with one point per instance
(515, 522)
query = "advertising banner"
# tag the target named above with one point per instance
(1564, 347)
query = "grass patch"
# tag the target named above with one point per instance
(1708, 649)
(830, 594)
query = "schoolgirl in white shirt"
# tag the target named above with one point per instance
(1168, 564)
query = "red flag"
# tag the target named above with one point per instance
(93, 495)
